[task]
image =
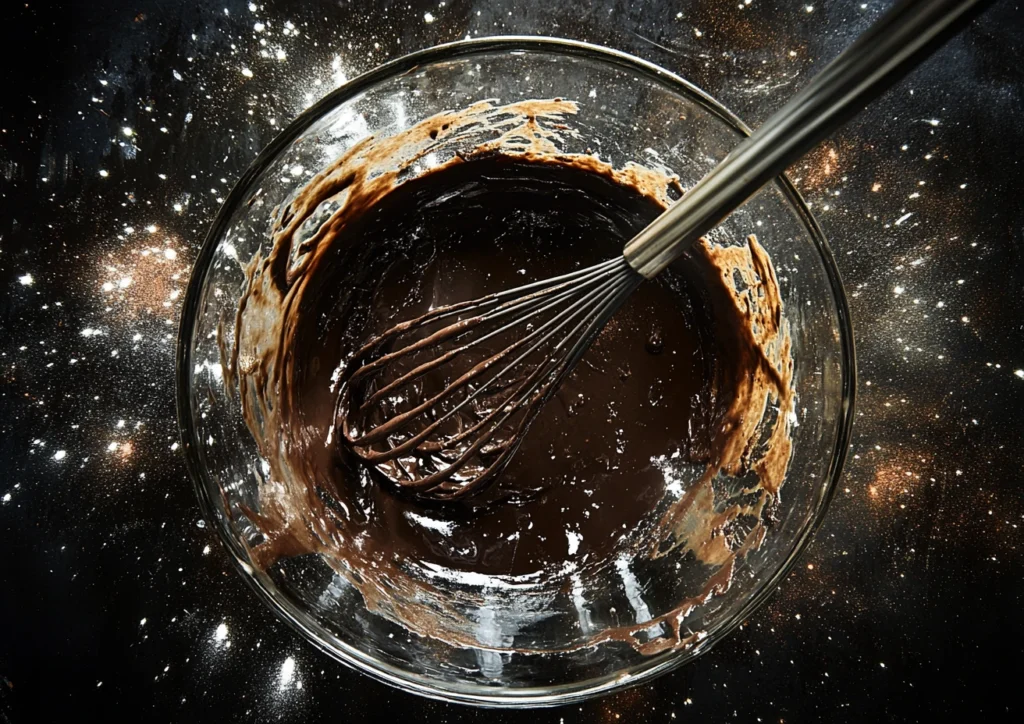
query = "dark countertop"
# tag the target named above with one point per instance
(122, 124)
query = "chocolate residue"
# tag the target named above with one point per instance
(641, 485)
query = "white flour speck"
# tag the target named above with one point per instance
(574, 541)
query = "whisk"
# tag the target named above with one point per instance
(440, 403)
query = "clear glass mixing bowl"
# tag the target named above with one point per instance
(629, 110)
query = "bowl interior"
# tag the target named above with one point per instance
(629, 111)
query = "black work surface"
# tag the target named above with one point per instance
(123, 124)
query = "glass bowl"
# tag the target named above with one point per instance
(629, 111)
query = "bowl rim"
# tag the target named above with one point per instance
(282, 604)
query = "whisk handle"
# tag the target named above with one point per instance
(892, 47)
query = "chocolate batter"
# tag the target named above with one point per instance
(657, 444)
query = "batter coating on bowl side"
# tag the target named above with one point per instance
(670, 438)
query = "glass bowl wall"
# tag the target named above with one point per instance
(629, 110)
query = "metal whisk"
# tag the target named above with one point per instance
(451, 439)
(440, 403)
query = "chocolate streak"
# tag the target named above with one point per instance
(668, 443)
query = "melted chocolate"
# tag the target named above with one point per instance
(583, 478)
(658, 443)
